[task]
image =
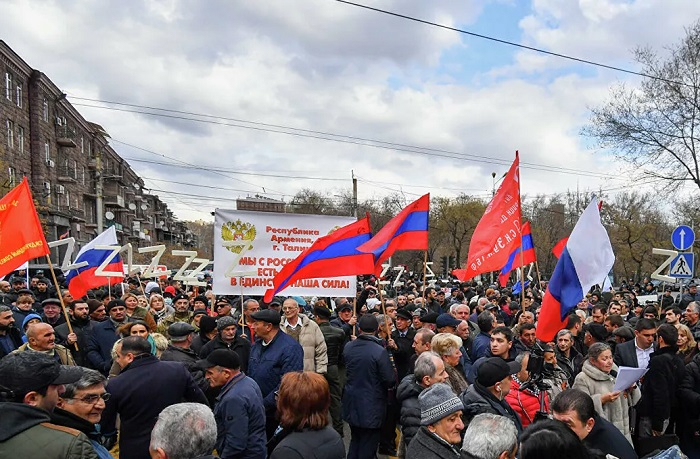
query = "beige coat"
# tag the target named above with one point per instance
(311, 340)
(63, 353)
(597, 383)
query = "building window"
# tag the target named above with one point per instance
(82, 145)
(82, 175)
(67, 199)
(47, 151)
(20, 139)
(12, 175)
(10, 134)
(45, 110)
(8, 86)
(19, 95)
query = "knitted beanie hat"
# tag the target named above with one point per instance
(437, 402)
(225, 321)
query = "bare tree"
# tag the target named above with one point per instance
(655, 127)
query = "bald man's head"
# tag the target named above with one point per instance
(41, 337)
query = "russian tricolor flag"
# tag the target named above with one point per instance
(529, 255)
(83, 279)
(585, 261)
(407, 231)
(333, 255)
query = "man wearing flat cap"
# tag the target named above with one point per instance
(441, 424)
(403, 337)
(30, 386)
(370, 375)
(239, 410)
(272, 356)
(487, 394)
(52, 312)
(181, 335)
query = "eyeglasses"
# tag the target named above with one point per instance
(290, 308)
(92, 398)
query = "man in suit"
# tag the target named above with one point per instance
(637, 352)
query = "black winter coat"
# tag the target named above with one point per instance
(689, 389)
(141, 391)
(477, 399)
(370, 375)
(665, 372)
(189, 359)
(82, 328)
(240, 345)
(335, 340)
(402, 356)
(407, 396)
(310, 444)
(15, 337)
(100, 342)
(426, 445)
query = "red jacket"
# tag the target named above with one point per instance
(525, 403)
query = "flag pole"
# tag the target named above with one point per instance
(539, 278)
(60, 298)
(425, 266)
(354, 314)
(240, 284)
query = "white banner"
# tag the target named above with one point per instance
(251, 247)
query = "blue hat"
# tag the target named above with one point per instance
(30, 317)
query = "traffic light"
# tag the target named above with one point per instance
(444, 265)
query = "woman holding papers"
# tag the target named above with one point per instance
(597, 379)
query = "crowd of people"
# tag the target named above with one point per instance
(454, 370)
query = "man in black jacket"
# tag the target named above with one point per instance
(79, 313)
(487, 394)
(335, 339)
(575, 408)
(10, 337)
(370, 375)
(143, 388)
(429, 370)
(228, 338)
(666, 372)
(178, 350)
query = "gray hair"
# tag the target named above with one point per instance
(247, 302)
(184, 431)
(5, 309)
(520, 357)
(695, 306)
(90, 378)
(596, 349)
(489, 435)
(563, 332)
(425, 365)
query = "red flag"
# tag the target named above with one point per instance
(333, 255)
(21, 236)
(498, 231)
(559, 247)
(407, 231)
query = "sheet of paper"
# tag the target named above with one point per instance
(626, 376)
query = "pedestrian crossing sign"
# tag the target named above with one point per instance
(682, 266)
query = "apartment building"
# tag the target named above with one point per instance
(79, 182)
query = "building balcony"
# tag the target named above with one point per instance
(67, 174)
(77, 215)
(65, 136)
(115, 201)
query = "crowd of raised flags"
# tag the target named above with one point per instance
(501, 242)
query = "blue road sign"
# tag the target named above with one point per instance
(683, 237)
(682, 266)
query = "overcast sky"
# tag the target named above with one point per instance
(323, 67)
